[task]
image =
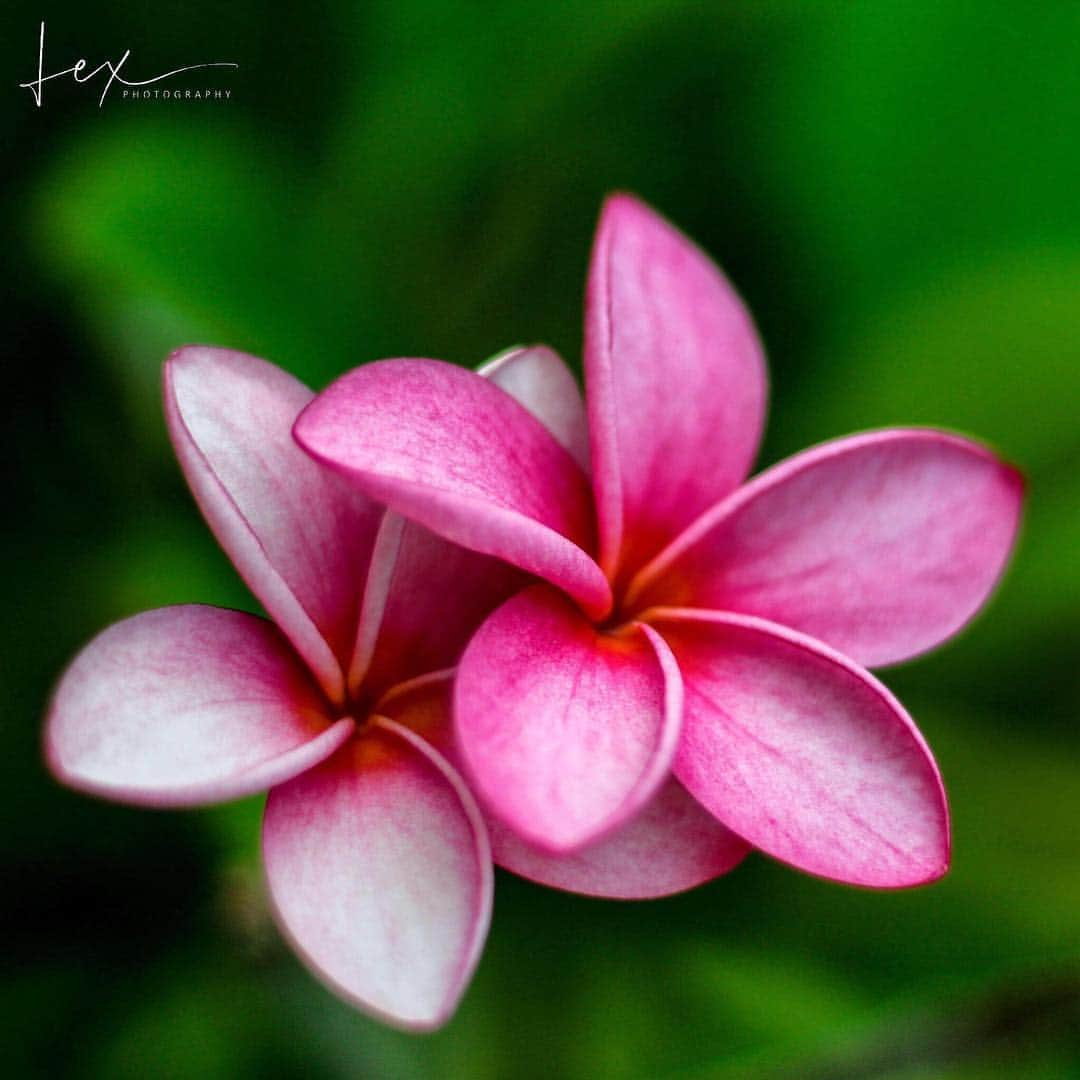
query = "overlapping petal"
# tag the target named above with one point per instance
(675, 382)
(804, 754)
(380, 874)
(187, 705)
(882, 545)
(538, 378)
(565, 731)
(670, 845)
(416, 577)
(423, 599)
(299, 536)
(447, 448)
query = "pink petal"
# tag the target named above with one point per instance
(380, 874)
(445, 447)
(423, 599)
(299, 537)
(670, 845)
(675, 381)
(673, 844)
(804, 754)
(538, 378)
(882, 544)
(187, 705)
(565, 731)
(425, 596)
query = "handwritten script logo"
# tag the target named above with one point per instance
(36, 86)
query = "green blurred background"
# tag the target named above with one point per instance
(894, 187)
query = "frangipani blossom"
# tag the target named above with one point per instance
(693, 634)
(377, 858)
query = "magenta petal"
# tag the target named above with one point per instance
(671, 845)
(804, 754)
(675, 382)
(425, 596)
(537, 377)
(298, 535)
(186, 705)
(380, 874)
(566, 732)
(882, 544)
(445, 447)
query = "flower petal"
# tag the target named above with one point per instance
(298, 535)
(566, 732)
(445, 447)
(804, 754)
(538, 378)
(423, 599)
(424, 596)
(380, 874)
(882, 544)
(675, 383)
(187, 705)
(670, 845)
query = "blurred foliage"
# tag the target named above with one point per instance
(893, 187)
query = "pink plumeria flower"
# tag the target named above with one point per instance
(376, 856)
(694, 633)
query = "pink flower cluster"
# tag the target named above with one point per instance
(565, 636)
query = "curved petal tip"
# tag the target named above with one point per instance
(804, 754)
(565, 731)
(185, 706)
(380, 875)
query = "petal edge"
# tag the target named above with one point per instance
(883, 544)
(674, 376)
(449, 449)
(565, 732)
(186, 706)
(804, 754)
(385, 827)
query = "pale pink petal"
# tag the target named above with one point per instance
(380, 874)
(423, 599)
(187, 705)
(670, 845)
(882, 545)
(299, 536)
(565, 731)
(675, 382)
(445, 447)
(537, 377)
(804, 754)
